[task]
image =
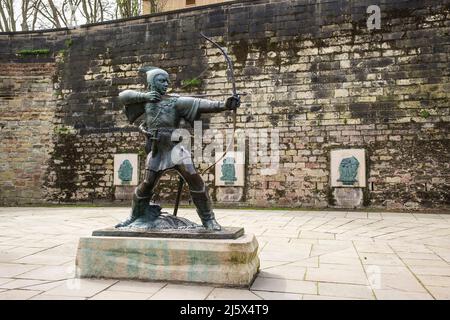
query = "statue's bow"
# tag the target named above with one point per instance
(235, 94)
(230, 64)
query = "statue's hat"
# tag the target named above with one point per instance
(152, 72)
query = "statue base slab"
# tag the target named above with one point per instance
(225, 262)
(198, 233)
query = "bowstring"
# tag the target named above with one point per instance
(231, 69)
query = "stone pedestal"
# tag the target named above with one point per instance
(230, 262)
(229, 194)
(348, 198)
(124, 193)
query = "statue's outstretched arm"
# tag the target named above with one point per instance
(200, 105)
(191, 108)
(131, 96)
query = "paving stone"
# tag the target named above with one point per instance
(20, 284)
(5, 280)
(322, 297)
(356, 215)
(357, 267)
(436, 271)
(338, 249)
(283, 255)
(372, 247)
(307, 262)
(283, 285)
(47, 285)
(267, 295)
(232, 294)
(382, 259)
(49, 273)
(438, 281)
(13, 254)
(401, 295)
(374, 215)
(431, 263)
(316, 235)
(42, 259)
(336, 275)
(121, 295)
(81, 287)
(137, 286)
(441, 293)
(281, 233)
(300, 248)
(10, 270)
(182, 292)
(345, 290)
(444, 253)
(284, 272)
(44, 296)
(301, 242)
(418, 255)
(339, 259)
(375, 269)
(402, 281)
(264, 264)
(18, 294)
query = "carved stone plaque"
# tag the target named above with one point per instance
(126, 169)
(348, 168)
(230, 170)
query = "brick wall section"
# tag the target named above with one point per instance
(27, 109)
(311, 69)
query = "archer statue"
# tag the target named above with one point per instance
(163, 114)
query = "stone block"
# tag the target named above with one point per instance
(124, 192)
(209, 261)
(348, 197)
(229, 194)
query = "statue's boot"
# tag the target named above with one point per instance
(138, 207)
(203, 203)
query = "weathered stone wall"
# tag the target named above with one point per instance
(311, 69)
(27, 109)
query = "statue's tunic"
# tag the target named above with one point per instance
(162, 119)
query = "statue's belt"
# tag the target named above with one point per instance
(158, 133)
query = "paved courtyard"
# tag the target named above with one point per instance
(304, 255)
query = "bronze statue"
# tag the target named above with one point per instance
(163, 114)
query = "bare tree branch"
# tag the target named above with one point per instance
(35, 14)
(3, 6)
(55, 15)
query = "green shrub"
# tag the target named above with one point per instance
(33, 52)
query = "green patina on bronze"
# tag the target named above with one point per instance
(126, 172)
(228, 171)
(348, 170)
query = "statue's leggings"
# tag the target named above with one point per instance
(197, 187)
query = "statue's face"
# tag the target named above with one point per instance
(161, 84)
